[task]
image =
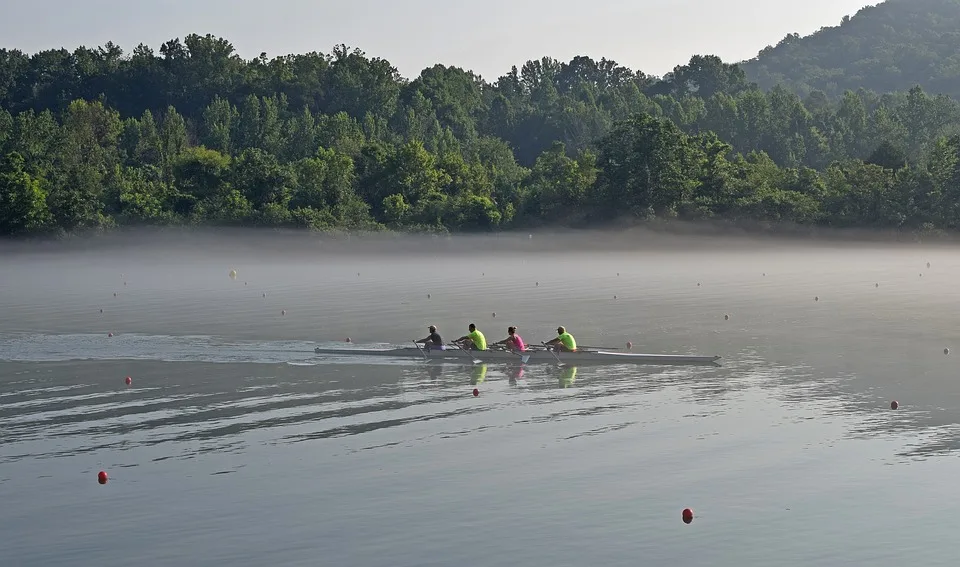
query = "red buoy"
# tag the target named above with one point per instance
(102, 477)
(128, 380)
(476, 392)
(687, 515)
(894, 404)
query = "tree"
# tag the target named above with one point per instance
(23, 207)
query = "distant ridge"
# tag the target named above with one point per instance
(892, 46)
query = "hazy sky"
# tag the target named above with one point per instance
(487, 37)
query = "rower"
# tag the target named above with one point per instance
(474, 339)
(433, 340)
(564, 341)
(513, 341)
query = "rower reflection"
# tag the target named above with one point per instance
(479, 374)
(568, 376)
(514, 373)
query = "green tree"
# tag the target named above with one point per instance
(23, 207)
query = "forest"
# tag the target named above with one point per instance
(892, 46)
(93, 139)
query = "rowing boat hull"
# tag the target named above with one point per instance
(536, 356)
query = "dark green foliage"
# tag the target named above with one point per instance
(195, 134)
(892, 46)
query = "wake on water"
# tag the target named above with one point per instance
(165, 348)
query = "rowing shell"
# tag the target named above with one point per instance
(535, 356)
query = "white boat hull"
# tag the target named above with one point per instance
(538, 356)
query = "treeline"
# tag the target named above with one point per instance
(94, 138)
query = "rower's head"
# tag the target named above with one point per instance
(472, 327)
(561, 330)
(432, 329)
(511, 330)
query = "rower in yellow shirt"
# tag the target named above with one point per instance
(564, 341)
(473, 340)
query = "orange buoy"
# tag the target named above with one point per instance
(128, 380)
(894, 404)
(476, 392)
(687, 515)
(102, 477)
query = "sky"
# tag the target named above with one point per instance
(488, 38)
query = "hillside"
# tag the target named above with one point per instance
(892, 46)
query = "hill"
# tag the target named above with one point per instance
(892, 46)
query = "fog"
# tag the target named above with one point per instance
(660, 236)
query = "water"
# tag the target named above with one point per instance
(235, 445)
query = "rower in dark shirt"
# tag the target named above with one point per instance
(433, 340)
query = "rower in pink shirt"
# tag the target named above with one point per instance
(513, 340)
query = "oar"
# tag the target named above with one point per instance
(524, 358)
(421, 351)
(559, 362)
(475, 360)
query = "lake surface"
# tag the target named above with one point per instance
(236, 445)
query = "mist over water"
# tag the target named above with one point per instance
(239, 444)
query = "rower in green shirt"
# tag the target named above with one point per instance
(564, 341)
(474, 339)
